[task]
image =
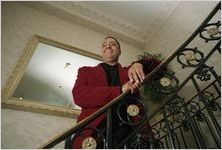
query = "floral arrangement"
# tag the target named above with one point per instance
(147, 55)
(149, 89)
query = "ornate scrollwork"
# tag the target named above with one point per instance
(89, 143)
(165, 82)
(210, 100)
(174, 106)
(193, 106)
(146, 137)
(138, 142)
(131, 111)
(179, 117)
(212, 106)
(204, 73)
(211, 32)
(163, 125)
(199, 116)
(190, 57)
(90, 138)
(186, 125)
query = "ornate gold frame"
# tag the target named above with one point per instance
(14, 103)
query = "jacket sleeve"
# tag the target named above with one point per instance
(87, 95)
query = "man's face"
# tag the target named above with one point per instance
(110, 51)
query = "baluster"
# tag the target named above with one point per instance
(109, 128)
(202, 98)
(169, 130)
(185, 144)
(217, 140)
(194, 129)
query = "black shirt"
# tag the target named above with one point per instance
(112, 74)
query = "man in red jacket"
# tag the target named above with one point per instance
(97, 86)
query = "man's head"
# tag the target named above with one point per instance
(110, 50)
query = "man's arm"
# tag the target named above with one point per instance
(141, 68)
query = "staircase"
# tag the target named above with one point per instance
(187, 117)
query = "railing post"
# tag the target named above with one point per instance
(215, 75)
(216, 138)
(194, 129)
(202, 99)
(169, 130)
(109, 128)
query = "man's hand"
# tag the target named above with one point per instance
(136, 74)
(130, 86)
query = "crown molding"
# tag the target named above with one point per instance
(100, 17)
(79, 13)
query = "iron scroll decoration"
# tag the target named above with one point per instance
(146, 137)
(165, 82)
(211, 32)
(204, 73)
(175, 107)
(190, 57)
(90, 141)
(131, 111)
(210, 100)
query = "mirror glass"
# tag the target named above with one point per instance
(50, 76)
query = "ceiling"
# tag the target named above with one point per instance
(133, 21)
(145, 16)
(136, 22)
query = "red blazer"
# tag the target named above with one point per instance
(91, 91)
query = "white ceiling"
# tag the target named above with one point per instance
(135, 22)
(145, 15)
(132, 21)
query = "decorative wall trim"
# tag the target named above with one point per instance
(31, 106)
(99, 17)
(77, 13)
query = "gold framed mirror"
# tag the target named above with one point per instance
(44, 77)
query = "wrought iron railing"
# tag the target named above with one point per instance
(184, 120)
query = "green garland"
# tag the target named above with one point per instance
(157, 56)
(149, 91)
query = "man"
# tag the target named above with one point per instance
(97, 86)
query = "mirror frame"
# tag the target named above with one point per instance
(28, 105)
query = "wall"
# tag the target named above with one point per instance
(19, 23)
(24, 130)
